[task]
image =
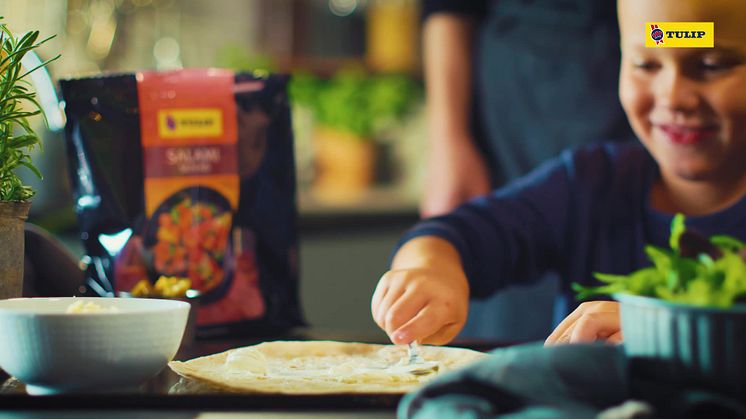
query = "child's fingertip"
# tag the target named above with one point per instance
(401, 337)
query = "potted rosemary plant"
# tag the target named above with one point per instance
(17, 139)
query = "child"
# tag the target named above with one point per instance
(593, 209)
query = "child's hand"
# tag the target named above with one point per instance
(591, 321)
(425, 298)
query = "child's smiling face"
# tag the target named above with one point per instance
(687, 105)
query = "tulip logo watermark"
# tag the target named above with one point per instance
(680, 34)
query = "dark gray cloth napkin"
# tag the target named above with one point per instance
(567, 381)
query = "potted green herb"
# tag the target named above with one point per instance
(349, 110)
(684, 318)
(17, 139)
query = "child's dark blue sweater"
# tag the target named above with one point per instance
(586, 211)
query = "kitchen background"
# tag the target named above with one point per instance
(356, 95)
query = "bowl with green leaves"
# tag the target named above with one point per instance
(684, 317)
(17, 104)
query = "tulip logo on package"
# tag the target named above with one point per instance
(680, 34)
(186, 123)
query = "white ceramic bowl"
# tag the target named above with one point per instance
(55, 352)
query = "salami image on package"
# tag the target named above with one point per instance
(189, 174)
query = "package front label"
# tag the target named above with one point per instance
(189, 134)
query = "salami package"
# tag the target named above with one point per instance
(188, 175)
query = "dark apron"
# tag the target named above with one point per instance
(546, 77)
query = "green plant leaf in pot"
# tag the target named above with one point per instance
(695, 271)
(15, 97)
(354, 101)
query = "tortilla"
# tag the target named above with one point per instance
(322, 367)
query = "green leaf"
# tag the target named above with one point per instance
(706, 261)
(608, 278)
(33, 169)
(353, 100)
(701, 281)
(645, 281)
(587, 292)
(43, 64)
(727, 243)
(677, 228)
(661, 258)
(23, 141)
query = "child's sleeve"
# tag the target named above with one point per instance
(513, 234)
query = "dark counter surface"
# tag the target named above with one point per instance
(169, 394)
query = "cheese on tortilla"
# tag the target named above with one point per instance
(319, 367)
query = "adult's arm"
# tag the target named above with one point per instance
(456, 170)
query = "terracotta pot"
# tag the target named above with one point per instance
(345, 165)
(12, 218)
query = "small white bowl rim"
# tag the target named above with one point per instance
(162, 305)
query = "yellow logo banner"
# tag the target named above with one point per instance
(190, 123)
(679, 34)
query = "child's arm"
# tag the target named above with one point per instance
(591, 321)
(425, 295)
(503, 238)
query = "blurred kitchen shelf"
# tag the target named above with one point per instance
(379, 207)
(378, 200)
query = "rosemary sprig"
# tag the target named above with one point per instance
(17, 139)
